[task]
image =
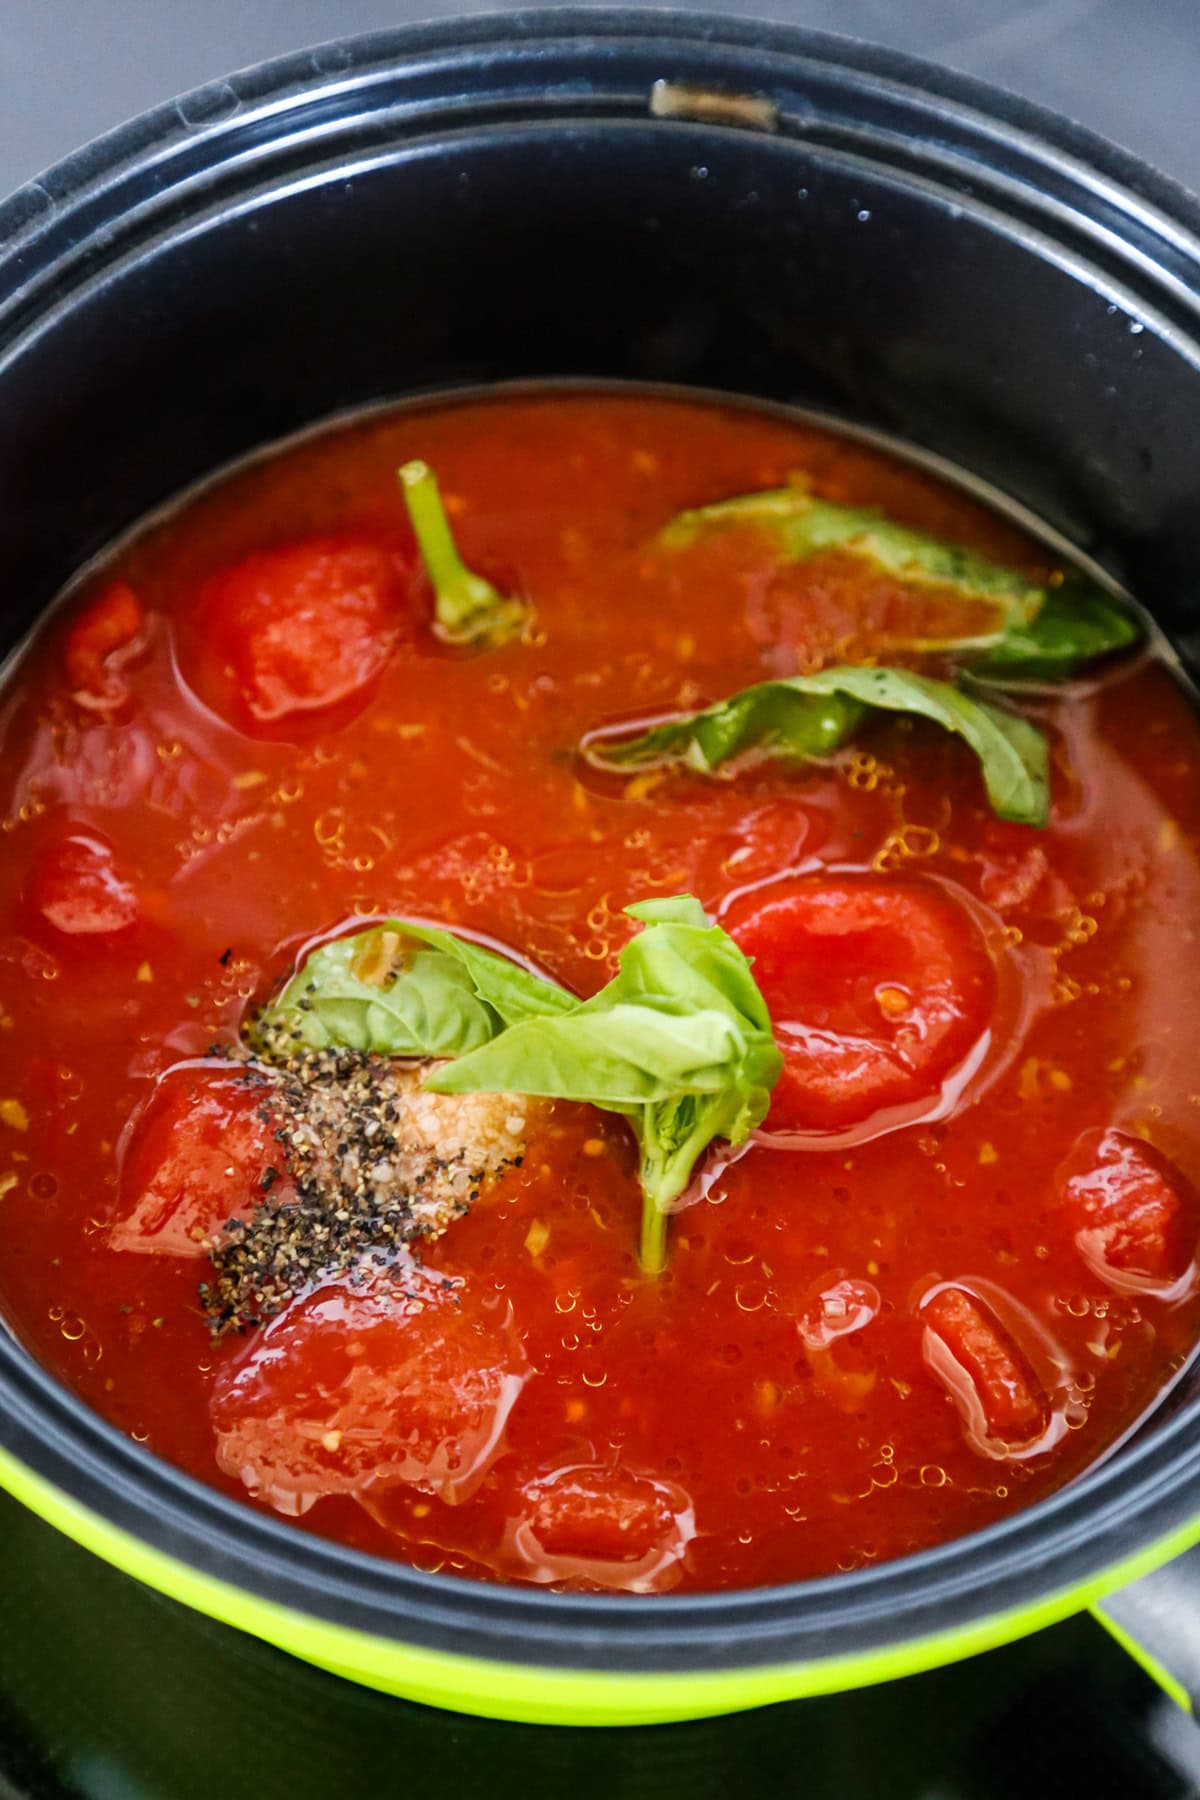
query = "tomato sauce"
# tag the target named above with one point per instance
(954, 1266)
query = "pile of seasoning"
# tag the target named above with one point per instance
(372, 1163)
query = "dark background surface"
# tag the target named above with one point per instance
(111, 1693)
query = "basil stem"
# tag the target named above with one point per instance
(467, 609)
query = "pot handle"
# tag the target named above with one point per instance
(1157, 1620)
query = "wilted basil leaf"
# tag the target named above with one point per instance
(803, 526)
(1039, 630)
(809, 716)
(1077, 624)
(403, 989)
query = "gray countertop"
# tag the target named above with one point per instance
(71, 69)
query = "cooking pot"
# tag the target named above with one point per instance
(640, 197)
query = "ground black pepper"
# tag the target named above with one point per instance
(375, 1164)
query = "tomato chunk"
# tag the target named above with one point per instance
(77, 887)
(203, 1152)
(100, 643)
(303, 627)
(878, 989)
(609, 1527)
(1003, 1388)
(353, 1392)
(1132, 1215)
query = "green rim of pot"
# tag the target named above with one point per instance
(551, 1696)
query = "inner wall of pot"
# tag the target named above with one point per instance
(625, 250)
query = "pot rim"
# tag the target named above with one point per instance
(1054, 184)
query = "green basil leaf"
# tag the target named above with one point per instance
(403, 989)
(1077, 624)
(1014, 756)
(467, 609)
(778, 718)
(619, 1056)
(775, 719)
(670, 909)
(803, 526)
(682, 959)
(513, 992)
(679, 1042)
(1040, 630)
(672, 1136)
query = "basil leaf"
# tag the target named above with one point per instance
(683, 954)
(679, 1042)
(622, 1056)
(1040, 630)
(1077, 623)
(513, 992)
(1013, 755)
(671, 909)
(777, 718)
(403, 989)
(803, 526)
(467, 609)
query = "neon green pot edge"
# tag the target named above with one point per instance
(548, 1696)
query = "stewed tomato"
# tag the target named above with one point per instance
(352, 1391)
(878, 991)
(203, 1151)
(1133, 1217)
(300, 628)
(982, 1366)
(608, 1527)
(105, 636)
(78, 888)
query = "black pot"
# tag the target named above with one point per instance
(498, 198)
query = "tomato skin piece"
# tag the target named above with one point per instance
(304, 627)
(877, 989)
(1131, 1214)
(355, 1392)
(101, 641)
(1009, 1393)
(837, 1306)
(76, 886)
(1015, 873)
(198, 1155)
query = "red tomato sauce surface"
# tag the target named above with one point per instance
(959, 1261)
